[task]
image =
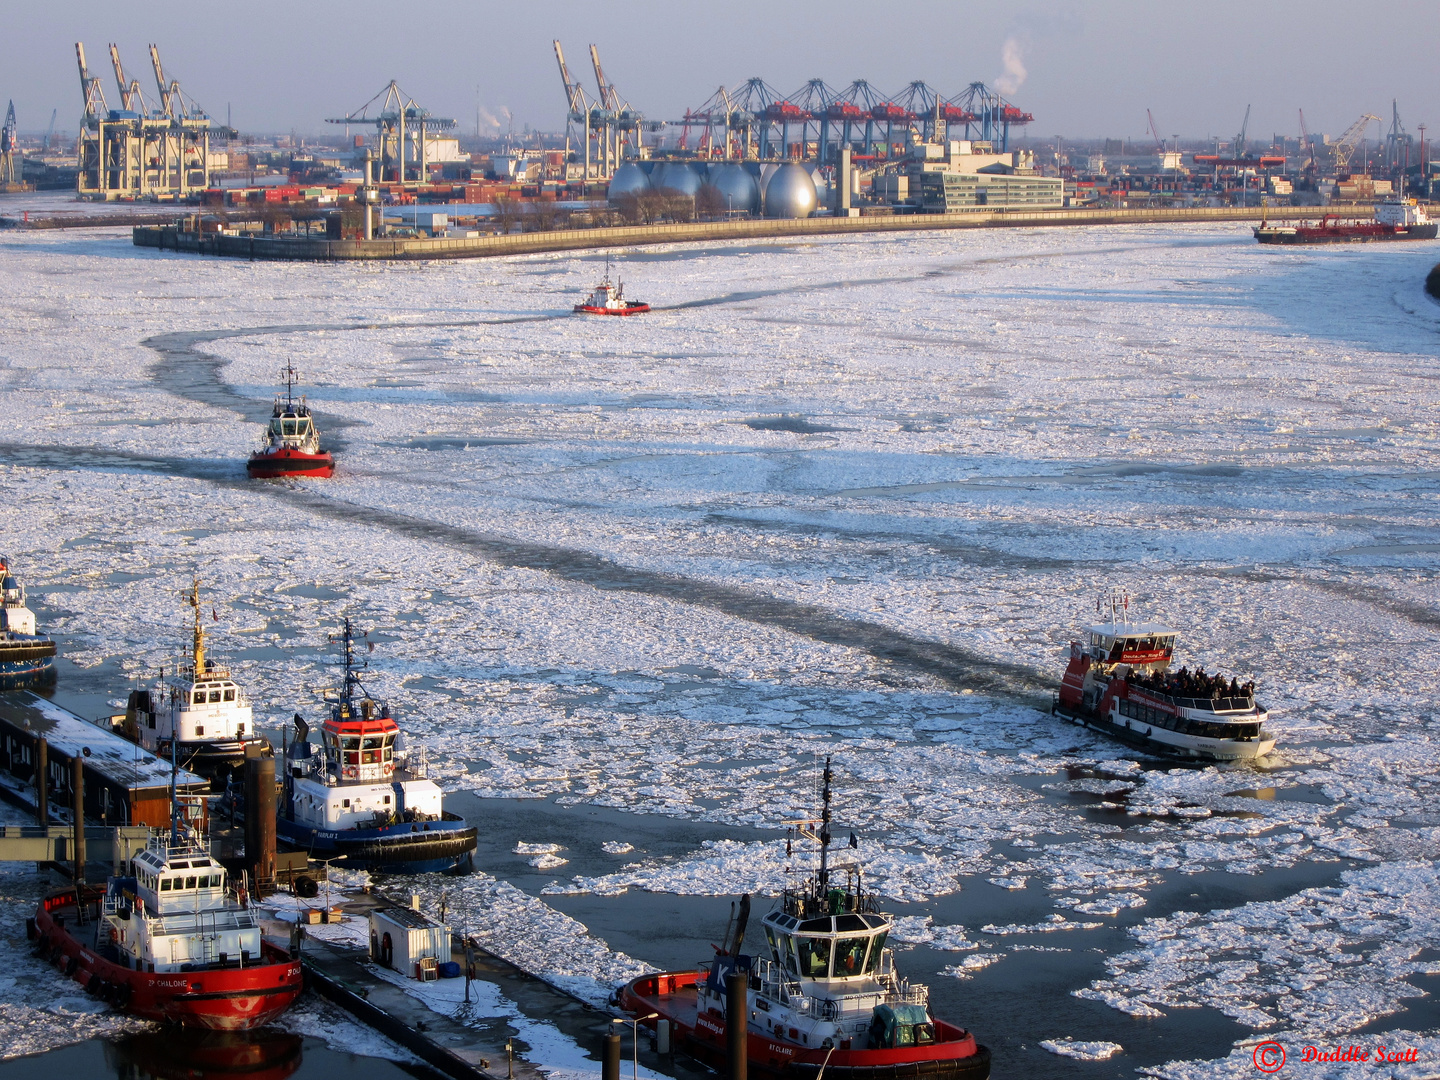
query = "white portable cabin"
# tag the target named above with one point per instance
(403, 939)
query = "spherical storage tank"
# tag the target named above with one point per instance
(677, 176)
(629, 179)
(737, 188)
(790, 192)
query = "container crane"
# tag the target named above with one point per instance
(1349, 142)
(577, 109)
(50, 134)
(1239, 148)
(131, 100)
(396, 112)
(1155, 131)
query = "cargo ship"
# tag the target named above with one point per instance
(26, 658)
(169, 939)
(1396, 219)
(201, 710)
(292, 445)
(355, 796)
(820, 996)
(1119, 683)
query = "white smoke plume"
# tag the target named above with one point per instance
(496, 123)
(1012, 56)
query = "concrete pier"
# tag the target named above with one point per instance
(173, 238)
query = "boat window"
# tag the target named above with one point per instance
(350, 742)
(814, 957)
(287, 427)
(774, 949)
(179, 866)
(787, 949)
(371, 743)
(229, 695)
(390, 739)
(345, 803)
(818, 926)
(165, 884)
(844, 923)
(199, 697)
(387, 800)
(876, 948)
(850, 956)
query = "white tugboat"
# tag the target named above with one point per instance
(356, 798)
(26, 658)
(170, 939)
(823, 996)
(1119, 682)
(202, 709)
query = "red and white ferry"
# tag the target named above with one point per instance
(169, 940)
(608, 299)
(824, 996)
(292, 442)
(1120, 682)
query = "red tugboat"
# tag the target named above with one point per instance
(1120, 683)
(1396, 219)
(292, 442)
(168, 940)
(825, 997)
(608, 299)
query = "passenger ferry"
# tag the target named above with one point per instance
(169, 939)
(355, 797)
(26, 658)
(821, 995)
(1119, 682)
(202, 709)
(292, 441)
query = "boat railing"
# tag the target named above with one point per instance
(1242, 704)
(204, 921)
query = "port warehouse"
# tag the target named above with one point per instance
(123, 784)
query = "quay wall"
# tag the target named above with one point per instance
(172, 238)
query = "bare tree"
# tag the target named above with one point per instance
(709, 203)
(507, 210)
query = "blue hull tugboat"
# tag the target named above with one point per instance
(26, 658)
(354, 796)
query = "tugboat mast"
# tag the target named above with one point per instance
(352, 675)
(824, 877)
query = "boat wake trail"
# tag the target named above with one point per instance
(956, 667)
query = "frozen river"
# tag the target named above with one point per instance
(848, 497)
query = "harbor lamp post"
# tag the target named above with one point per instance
(635, 1028)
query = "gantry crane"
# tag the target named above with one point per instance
(397, 112)
(8, 175)
(1349, 142)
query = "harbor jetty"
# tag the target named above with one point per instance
(246, 245)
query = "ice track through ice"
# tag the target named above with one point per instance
(848, 497)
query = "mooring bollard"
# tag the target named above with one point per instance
(610, 1067)
(736, 1022)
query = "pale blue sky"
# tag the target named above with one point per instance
(1092, 67)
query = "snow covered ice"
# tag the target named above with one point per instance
(842, 496)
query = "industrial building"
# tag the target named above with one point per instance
(124, 785)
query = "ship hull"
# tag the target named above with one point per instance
(628, 309)
(403, 848)
(1343, 234)
(219, 999)
(1142, 736)
(954, 1055)
(276, 464)
(26, 661)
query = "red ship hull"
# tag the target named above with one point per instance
(222, 999)
(954, 1055)
(629, 309)
(273, 464)
(1345, 233)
